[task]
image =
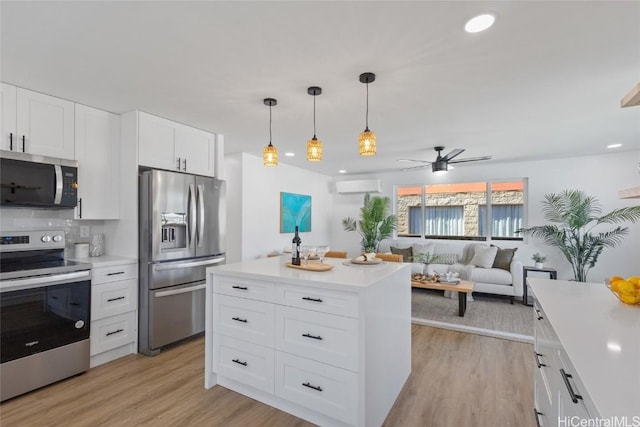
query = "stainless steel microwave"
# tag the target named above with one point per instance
(35, 181)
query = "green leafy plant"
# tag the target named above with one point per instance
(574, 216)
(538, 258)
(374, 224)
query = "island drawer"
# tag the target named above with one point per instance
(109, 299)
(245, 288)
(113, 273)
(247, 363)
(245, 319)
(322, 388)
(318, 299)
(318, 336)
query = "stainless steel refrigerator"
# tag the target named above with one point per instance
(182, 226)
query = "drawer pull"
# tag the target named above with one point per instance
(315, 387)
(565, 377)
(237, 319)
(115, 273)
(239, 362)
(539, 315)
(117, 331)
(537, 355)
(315, 337)
(114, 299)
(312, 299)
(242, 288)
(537, 413)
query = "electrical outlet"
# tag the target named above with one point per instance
(85, 230)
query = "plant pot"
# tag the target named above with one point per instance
(539, 264)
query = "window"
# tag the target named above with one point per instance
(460, 210)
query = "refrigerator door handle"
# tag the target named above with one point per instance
(200, 204)
(179, 291)
(191, 213)
(186, 264)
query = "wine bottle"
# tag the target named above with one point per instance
(295, 248)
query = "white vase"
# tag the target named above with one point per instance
(539, 265)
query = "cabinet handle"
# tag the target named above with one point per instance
(239, 362)
(565, 378)
(315, 387)
(184, 165)
(10, 141)
(312, 299)
(315, 337)
(536, 413)
(536, 355)
(539, 315)
(23, 143)
(178, 164)
(237, 319)
(114, 299)
(242, 288)
(115, 273)
(117, 331)
(80, 207)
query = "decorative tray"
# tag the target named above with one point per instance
(356, 260)
(312, 266)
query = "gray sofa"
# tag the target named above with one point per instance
(456, 256)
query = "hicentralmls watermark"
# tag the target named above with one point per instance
(575, 421)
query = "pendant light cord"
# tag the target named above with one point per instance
(269, 124)
(314, 116)
(367, 114)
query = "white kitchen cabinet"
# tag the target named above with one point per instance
(36, 123)
(97, 150)
(114, 304)
(165, 144)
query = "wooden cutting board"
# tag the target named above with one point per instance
(312, 266)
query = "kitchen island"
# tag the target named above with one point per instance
(331, 347)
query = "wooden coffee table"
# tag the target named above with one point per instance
(463, 288)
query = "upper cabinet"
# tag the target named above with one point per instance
(165, 144)
(97, 150)
(36, 123)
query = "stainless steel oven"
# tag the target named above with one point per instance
(45, 309)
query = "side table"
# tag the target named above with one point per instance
(553, 274)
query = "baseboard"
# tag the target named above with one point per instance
(473, 330)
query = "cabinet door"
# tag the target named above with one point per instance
(98, 155)
(156, 142)
(46, 124)
(8, 117)
(196, 150)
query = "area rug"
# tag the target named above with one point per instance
(485, 315)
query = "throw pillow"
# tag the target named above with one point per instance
(484, 256)
(504, 258)
(423, 248)
(468, 252)
(447, 258)
(407, 253)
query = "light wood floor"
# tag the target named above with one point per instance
(457, 380)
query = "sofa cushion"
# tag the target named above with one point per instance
(495, 276)
(484, 256)
(407, 253)
(469, 251)
(504, 258)
(423, 248)
(447, 259)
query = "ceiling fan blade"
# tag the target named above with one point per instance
(415, 168)
(472, 159)
(426, 162)
(452, 154)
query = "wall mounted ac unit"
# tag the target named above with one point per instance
(359, 186)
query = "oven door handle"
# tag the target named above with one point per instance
(42, 281)
(179, 291)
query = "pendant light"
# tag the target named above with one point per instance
(270, 153)
(314, 145)
(367, 137)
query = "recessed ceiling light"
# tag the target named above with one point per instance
(342, 171)
(480, 23)
(617, 145)
(289, 154)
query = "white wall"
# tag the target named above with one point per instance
(253, 206)
(600, 176)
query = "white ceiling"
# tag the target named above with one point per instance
(545, 81)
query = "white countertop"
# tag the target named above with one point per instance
(601, 335)
(105, 260)
(352, 276)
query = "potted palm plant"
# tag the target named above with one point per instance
(374, 224)
(574, 216)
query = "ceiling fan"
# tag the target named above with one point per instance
(441, 164)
